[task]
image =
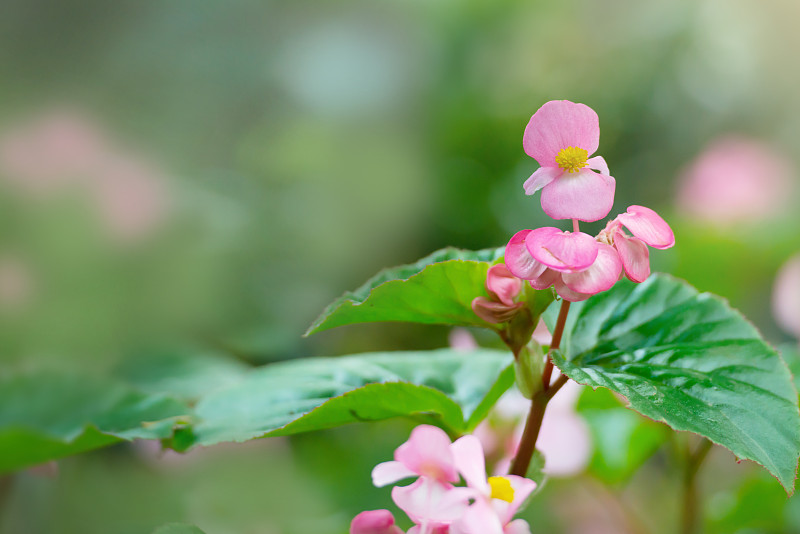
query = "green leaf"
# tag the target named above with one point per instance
(45, 416)
(687, 359)
(622, 439)
(438, 289)
(184, 372)
(444, 387)
(177, 528)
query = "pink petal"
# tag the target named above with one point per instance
(541, 334)
(428, 501)
(480, 518)
(646, 224)
(557, 125)
(547, 279)
(427, 453)
(540, 178)
(502, 284)
(600, 276)
(494, 312)
(523, 487)
(519, 261)
(518, 526)
(468, 453)
(585, 195)
(374, 522)
(562, 251)
(389, 472)
(568, 294)
(599, 164)
(786, 296)
(462, 340)
(634, 255)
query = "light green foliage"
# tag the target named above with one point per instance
(689, 360)
(45, 416)
(444, 387)
(438, 289)
(622, 439)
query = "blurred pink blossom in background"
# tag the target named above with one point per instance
(65, 150)
(736, 180)
(786, 296)
(564, 438)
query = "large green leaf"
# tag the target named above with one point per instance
(444, 387)
(44, 416)
(438, 289)
(689, 360)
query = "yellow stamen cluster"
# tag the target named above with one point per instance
(501, 489)
(572, 158)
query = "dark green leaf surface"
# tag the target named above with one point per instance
(46, 416)
(689, 360)
(438, 289)
(444, 387)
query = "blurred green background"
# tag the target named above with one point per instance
(215, 173)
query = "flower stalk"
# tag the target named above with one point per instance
(539, 401)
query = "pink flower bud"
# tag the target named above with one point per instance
(374, 522)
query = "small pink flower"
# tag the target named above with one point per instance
(497, 498)
(374, 522)
(561, 136)
(426, 453)
(576, 264)
(648, 228)
(786, 296)
(503, 288)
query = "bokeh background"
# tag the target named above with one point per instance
(213, 173)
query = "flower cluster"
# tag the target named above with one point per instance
(561, 136)
(433, 502)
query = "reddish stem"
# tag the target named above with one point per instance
(533, 425)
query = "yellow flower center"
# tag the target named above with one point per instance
(501, 489)
(572, 158)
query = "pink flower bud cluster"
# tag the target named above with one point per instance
(560, 136)
(433, 502)
(503, 288)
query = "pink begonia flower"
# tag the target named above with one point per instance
(428, 453)
(786, 296)
(736, 180)
(648, 228)
(561, 136)
(503, 288)
(497, 498)
(374, 522)
(576, 264)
